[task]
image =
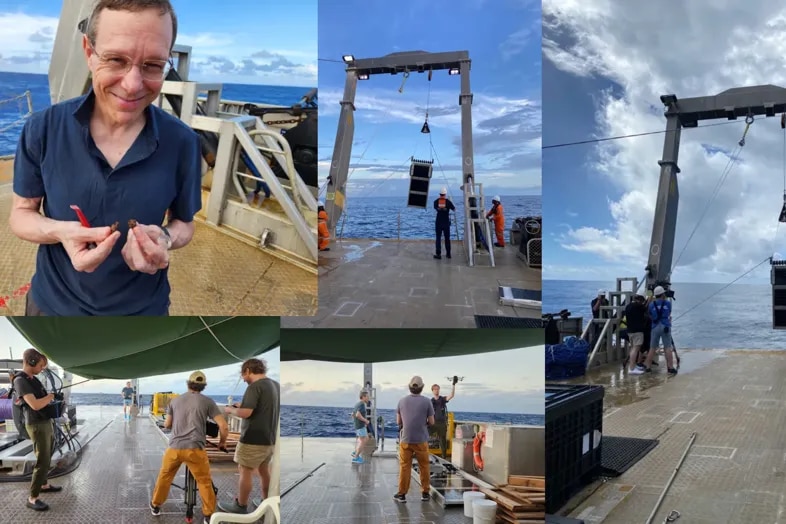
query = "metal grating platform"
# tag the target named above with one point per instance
(344, 493)
(619, 454)
(489, 322)
(115, 481)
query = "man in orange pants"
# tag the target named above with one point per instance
(497, 215)
(187, 417)
(322, 229)
(413, 415)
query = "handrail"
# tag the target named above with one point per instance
(293, 212)
(18, 121)
(272, 138)
(598, 342)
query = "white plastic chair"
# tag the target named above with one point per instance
(269, 505)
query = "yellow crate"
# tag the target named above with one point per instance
(433, 441)
(161, 402)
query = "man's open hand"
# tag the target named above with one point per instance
(145, 249)
(77, 239)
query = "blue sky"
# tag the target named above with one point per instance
(222, 380)
(605, 66)
(503, 40)
(237, 41)
(498, 382)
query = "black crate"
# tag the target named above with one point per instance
(574, 426)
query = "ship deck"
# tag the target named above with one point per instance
(397, 283)
(115, 481)
(215, 274)
(344, 493)
(735, 471)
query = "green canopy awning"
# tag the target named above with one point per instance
(136, 347)
(388, 345)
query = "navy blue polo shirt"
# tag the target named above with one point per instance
(57, 159)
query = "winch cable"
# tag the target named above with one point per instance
(394, 170)
(721, 289)
(741, 143)
(733, 160)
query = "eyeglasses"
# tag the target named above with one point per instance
(116, 64)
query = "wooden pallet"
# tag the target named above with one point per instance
(521, 501)
(216, 455)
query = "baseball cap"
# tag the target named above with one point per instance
(416, 382)
(197, 377)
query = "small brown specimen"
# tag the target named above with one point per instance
(114, 227)
(132, 223)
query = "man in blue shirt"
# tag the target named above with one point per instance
(660, 313)
(123, 162)
(128, 400)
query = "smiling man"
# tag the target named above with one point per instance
(122, 161)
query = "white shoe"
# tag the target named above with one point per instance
(636, 371)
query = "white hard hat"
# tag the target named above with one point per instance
(320, 203)
(601, 292)
(658, 291)
(443, 191)
(496, 199)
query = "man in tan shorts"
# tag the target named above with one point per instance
(259, 411)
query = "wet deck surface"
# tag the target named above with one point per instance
(344, 493)
(391, 284)
(214, 275)
(115, 480)
(736, 470)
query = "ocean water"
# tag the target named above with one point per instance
(14, 84)
(739, 317)
(388, 217)
(366, 217)
(310, 421)
(114, 399)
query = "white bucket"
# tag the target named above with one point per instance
(469, 497)
(484, 511)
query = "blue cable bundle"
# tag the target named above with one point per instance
(566, 360)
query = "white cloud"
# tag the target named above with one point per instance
(506, 130)
(26, 46)
(26, 42)
(730, 45)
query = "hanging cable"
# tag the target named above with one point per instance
(632, 135)
(733, 158)
(722, 289)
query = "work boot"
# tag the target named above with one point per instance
(438, 257)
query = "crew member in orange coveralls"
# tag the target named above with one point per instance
(322, 229)
(498, 216)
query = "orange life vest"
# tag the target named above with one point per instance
(442, 203)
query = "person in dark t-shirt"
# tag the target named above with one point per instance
(128, 400)
(34, 398)
(636, 318)
(259, 411)
(440, 427)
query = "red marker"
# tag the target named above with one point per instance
(82, 218)
(84, 222)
